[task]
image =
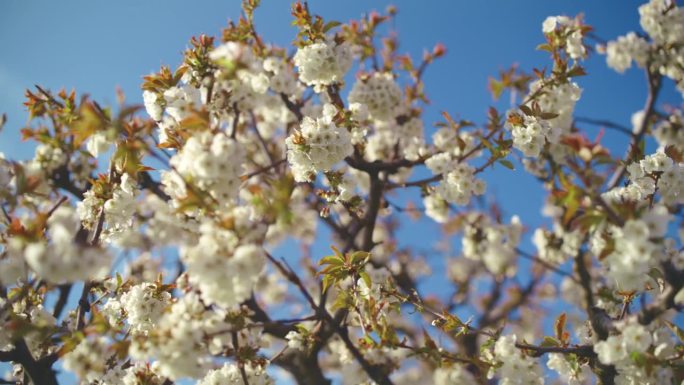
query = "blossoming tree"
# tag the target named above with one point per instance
(143, 248)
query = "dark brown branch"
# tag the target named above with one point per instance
(39, 372)
(600, 322)
(263, 169)
(64, 291)
(236, 122)
(374, 201)
(333, 91)
(296, 109)
(241, 366)
(61, 180)
(585, 283)
(391, 167)
(609, 211)
(83, 305)
(146, 182)
(373, 371)
(270, 327)
(8, 355)
(56, 206)
(302, 365)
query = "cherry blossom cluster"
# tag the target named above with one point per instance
(220, 257)
(117, 206)
(63, 259)
(627, 351)
(532, 131)
(494, 244)
(141, 307)
(663, 21)
(323, 63)
(184, 245)
(656, 172)
(570, 30)
(317, 146)
(455, 374)
(512, 365)
(634, 252)
(458, 182)
(231, 374)
(380, 94)
(669, 132)
(557, 246)
(212, 162)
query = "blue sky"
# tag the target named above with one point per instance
(95, 46)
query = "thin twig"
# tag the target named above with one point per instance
(653, 80)
(373, 371)
(604, 123)
(241, 365)
(6, 214)
(236, 122)
(547, 265)
(263, 169)
(56, 206)
(580, 350)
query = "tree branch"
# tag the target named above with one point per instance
(653, 80)
(373, 371)
(604, 123)
(665, 301)
(580, 350)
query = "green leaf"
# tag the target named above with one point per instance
(451, 322)
(590, 219)
(359, 257)
(638, 358)
(328, 280)
(506, 163)
(576, 71)
(337, 252)
(331, 260)
(496, 87)
(332, 269)
(550, 342)
(487, 344)
(548, 115)
(369, 340)
(429, 342)
(330, 25)
(342, 301)
(559, 326)
(658, 277)
(366, 278)
(526, 110)
(487, 144)
(676, 330)
(545, 47)
(461, 143)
